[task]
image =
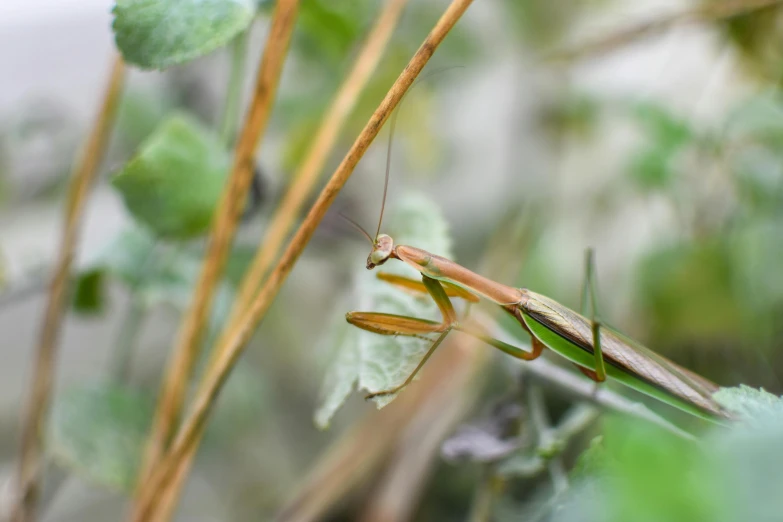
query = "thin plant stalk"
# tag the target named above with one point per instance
(282, 221)
(226, 220)
(325, 139)
(703, 12)
(229, 352)
(82, 180)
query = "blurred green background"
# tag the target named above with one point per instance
(664, 154)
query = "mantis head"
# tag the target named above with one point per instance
(382, 250)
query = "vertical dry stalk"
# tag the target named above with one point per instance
(229, 352)
(283, 219)
(333, 121)
(227, 217)
(84, 173)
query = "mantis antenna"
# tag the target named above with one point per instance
(357, 226)
(392, 124)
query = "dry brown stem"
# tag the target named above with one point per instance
(229, 352)
(227, 217)
(304, 180)
(82, 180)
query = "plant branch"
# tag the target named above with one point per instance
(229, 353)
(226, 220)
(704, 12)
(304, 180)
(325, 139)
(82, 180)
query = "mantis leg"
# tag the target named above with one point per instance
(390, 324)
(588, 291)
(414, 285)
(410, 377)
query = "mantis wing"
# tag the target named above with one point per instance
(569, 334)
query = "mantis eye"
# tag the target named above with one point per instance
(381, 251)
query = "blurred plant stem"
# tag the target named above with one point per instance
(236, 78)
(304, 181)
(703, 12)
(229, 352)
(82, 180)
(226, 219)
(539, 420)
(488, 487)
(324, 141)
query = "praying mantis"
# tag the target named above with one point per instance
(597, 350)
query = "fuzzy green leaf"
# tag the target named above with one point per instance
(155, 34)
(160, 277)
(376, 362)
(751, 403)
(98, 431)
(173, 183)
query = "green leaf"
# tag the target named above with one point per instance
(88, 297)
(376, 362)
(155, 34)
(731, 474)
(98, 431)
(164, 277)
(751, 403)
(174, 181)
(661, 126)
(653, 166)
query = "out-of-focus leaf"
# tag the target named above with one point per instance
(241, 405)
(662, 126)
(654, 165)
(155, 34)
(140, 113)
(760, 117)
(174, 181)
(98, 431)
(88, 297)
(378, 362)
(592, 460)
(124, 258)
(751, 403)
(686, 292)
(731, 474)
(575, 113)
(758, 172)
(329, 29)
(164, 277)
(758, 36)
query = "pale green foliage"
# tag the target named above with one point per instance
(751, 404)
(155, 34)
(159, 275)
(98, 431)
(173, 183)
(643, 474)
(376, 362)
